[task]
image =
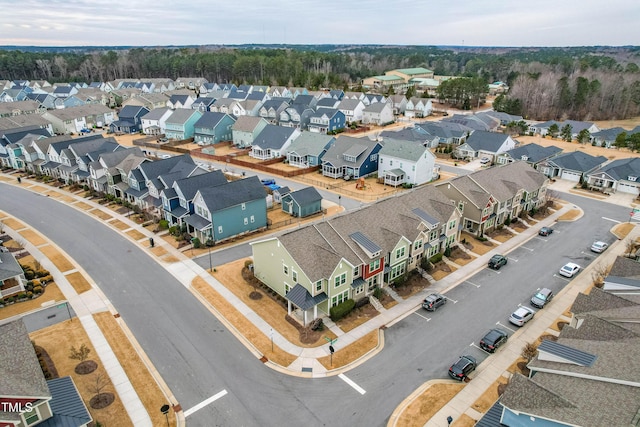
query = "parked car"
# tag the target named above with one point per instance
(493, 339)
(599, 247)
(85, 130)
(542, 297)
(462, 368)
(569, 270)
(433, 301)
(485, 160)
(521, 316)
(268, 181)
(497, 261)
(545, 231)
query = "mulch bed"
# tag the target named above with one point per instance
(86, 367)
(458, 253)
(49, 368)
(497, 233)
(307, 335)
(102, 400)
(415, 283)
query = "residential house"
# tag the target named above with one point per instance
(71, 157)
(378, 114)
(15, 145)
(129, 120)
(180, 101)
(271, 109)
(150, 101)
(607, 137)
(64, 91)
(245, 130)
(621, 175)
(227, 106)
(336, 94)
(530, 153)
(280, 92)
(418, 107)
(351, 157)
(372, 98)
(414, 134)
(624, 278)
(181, 123)
(177, 200)
(203, 104)
(74, 119)
(208, 87)
(297, 91)
(574, 166)
(352, 109)
(223, 212)
(38, 156)
(111, 169)
(399, 103)
(504, 118)
(326, 120)
(319, 266)
(279, 192)
(406, 163)
(489, 197)
(12, 280)
(296, 116)
(327, 102)
(576, 379)
(8, 109)
(190, 82)
(302, 203)
(73, 101)
(485, 144)
(272, 142)
(445, 133)
(28, 398)
(155, 121)
(305, 100)
(27, 120)
(46, 100)
(542, 129)
(308, 149)
(212, 128)
(475, 121)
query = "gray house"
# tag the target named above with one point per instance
(485, 144)
(530, 153)
(245, 130)
(212, 128)
(273, 142)
(308, 149)
(574, 166)
(621, 175)
(302, 203)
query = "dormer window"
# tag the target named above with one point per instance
(525, 158)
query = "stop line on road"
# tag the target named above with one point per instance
(205, 403)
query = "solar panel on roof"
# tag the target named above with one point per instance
(365, 243)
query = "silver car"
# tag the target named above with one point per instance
(599, 247)
(521, 316)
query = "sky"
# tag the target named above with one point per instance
(395, 22)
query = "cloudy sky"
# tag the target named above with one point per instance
(417, 22)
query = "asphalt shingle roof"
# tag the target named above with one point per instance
(533, 152)
(305, 196)
(489, 141)
(621, 169)
(273, 136)
(403, 150)
(232, 194)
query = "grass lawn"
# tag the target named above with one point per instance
(352, 352)
(135, 234)
(424, 407)
(78, 282)
(13, 223)
(51, 293)
(477, 246)
(33, 237)
(622, 230)
(59, 260)
(570, 215)
(100, 214)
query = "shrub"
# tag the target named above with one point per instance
(584, 186)
(342, 309)
(163, 224)
(507, 221)
(247, 263)
(29, 294)
(22, 295)
(436, 258)
(499, 226)
(378, 293)
(37, 289)
(196, 243)
(42, 273)
(447, 251)
(482, 238)
(46, 279)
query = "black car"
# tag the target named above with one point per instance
(462, 368)
(497, 261)
(545, 231)
(493, 339)
(433, 301)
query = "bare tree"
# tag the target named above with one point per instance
(630, 246)
(98, 384)
(598, 274)
(529, 351)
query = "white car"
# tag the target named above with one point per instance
(485, 160)
(569, 269)
(599, 247)
(521, 316)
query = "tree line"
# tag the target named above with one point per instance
(582, 83)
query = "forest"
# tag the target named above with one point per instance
(580, 83)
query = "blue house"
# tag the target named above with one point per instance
(181, 123)
(302, 203)
(326, 120)
(177, 200)
(129, 119)
(229, 210)
(212, 128)
(308, 149)
(351, 157)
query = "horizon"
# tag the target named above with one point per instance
(483, 23)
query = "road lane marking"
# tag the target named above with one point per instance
(612, 220)
(529, 249)
(359, 389)
(205, 403)
(568, 279)
(590, 255)
(477, 286)
(506, 327)
(512, 259)
(451, 299)
(425, 318)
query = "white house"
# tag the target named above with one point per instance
(378, 113)
(406, 162)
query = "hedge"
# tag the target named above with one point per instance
(436, 258)
(342, 309)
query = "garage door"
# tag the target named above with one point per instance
(571, 176)
(628, 188)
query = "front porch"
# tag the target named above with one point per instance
(394, 177)
(299, 297)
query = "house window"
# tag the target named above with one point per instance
(340, 298)
(31, 417)
(244, 206)
(359, 289)
(417, 245)
(433, 235)
(381, 161)
(294, 276)
(452, 224)
(374, 265)
(374, 158)
(397, 271)
(318, 285)
(400, 252)
(390, 162)
(285, 270)
(253, 219)
(356, 272)
(340, 280)
(287, 288)
(219, 229)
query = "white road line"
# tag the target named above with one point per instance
(612, 220)
(512, 259)
(477, 286)
(205, 403)
(568, 279)
(529, 249)
(505, 326)
(359, 389)
(425, 318)
(477, 346)
(451, 299)
(540, 238)
(590, 255)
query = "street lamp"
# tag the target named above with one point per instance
(165, 410)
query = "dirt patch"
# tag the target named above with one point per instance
(51, 293)
(519, 226)
(622, 230)
(571, 215)
(33, 237)
(13, 224)
(460, 257)
(489, 397)
(514, 366)
(357, 317)
(387, 301)
(59, 260)
(440, 270)
(102, 400)
(86, 367)
(252, 334)
(135, 234)
(418, 412)
(141, 379)
(269, 308)
(464, 421)
(159, 251)
(57, 341)
(501, 235)
(352, 352)
(307, 335)
(477, 246)
(557, 326)
(78, 282)
(414, 284)
(100, 214)
(170, 258)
